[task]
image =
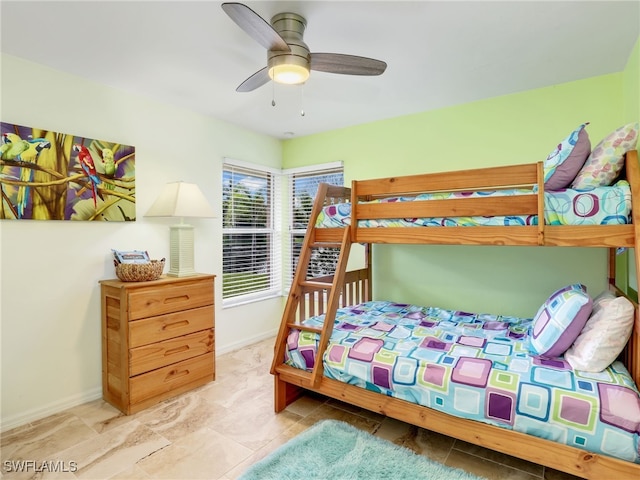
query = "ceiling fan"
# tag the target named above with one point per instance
(288, 58)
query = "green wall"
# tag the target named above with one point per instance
(631, 84)
(517, 128)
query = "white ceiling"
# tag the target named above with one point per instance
(439, 53)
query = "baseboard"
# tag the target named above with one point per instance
(221, 350)
(52, 408)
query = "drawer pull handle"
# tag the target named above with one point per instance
(180, 323)
(179, 349)
(181, 298)
(173, 374)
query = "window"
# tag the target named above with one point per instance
(303, 185)
(251, 250)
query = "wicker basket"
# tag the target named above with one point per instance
(140, 272)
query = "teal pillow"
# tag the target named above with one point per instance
(563, 164)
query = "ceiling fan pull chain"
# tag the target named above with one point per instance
(302, 100)
(273, 93)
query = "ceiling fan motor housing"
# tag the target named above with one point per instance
(291, 28)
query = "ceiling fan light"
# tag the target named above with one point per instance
(289, 74)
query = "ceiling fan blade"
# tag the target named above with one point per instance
(346, 64)
(256, 26)
(254, 81)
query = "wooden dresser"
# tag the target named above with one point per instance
(157, 339)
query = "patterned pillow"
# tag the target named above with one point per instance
(607, 158)
(563, 164)
(604, 335)
(559, 320)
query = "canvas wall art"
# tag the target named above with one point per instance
(46, 175)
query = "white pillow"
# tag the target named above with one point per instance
(604, 335)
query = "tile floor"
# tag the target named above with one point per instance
(216, 431)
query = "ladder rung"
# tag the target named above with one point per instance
(309, 283)
(325, 245)
(306, 328)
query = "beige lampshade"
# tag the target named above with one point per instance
(181, 199)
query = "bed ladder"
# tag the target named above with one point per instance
(302, 286)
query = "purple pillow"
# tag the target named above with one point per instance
(560, 320)
(563, 164)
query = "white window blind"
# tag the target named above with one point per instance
(303, 186)
(251, 264)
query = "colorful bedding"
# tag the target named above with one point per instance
(593, 206)
(476, 366)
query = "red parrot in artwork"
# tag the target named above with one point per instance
(88, 167)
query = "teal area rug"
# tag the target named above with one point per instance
(332, 450)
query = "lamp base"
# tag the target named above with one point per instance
(181, 251)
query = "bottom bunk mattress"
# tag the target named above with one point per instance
(476, 366)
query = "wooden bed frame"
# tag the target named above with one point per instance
(310, 297)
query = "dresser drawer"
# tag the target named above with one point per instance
(156, 355)
(164, 327)
(172, 377)
(168, 298)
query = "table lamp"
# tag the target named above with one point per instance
(181, 199)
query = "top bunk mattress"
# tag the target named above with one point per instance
(609, 205)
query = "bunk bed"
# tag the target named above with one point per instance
(322, 312)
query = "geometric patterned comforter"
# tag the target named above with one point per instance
(590, 206)
(476, 366)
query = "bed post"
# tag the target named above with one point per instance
(285, 393)
(368, 266)
(540, 197)
(632, 352)
(611, 277)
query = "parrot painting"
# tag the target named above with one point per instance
(15, 148)
(89, 169)
(109, 165)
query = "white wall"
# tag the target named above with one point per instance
(49, 270)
